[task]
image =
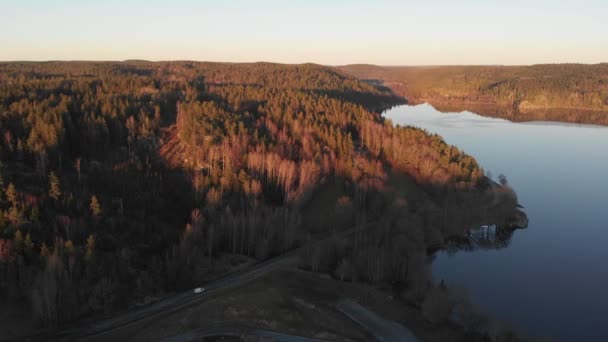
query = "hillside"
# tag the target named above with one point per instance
(557, 92)
(122, 182)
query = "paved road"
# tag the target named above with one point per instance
(382, 329)
(199, 334)
(166, 305)
(179, 301)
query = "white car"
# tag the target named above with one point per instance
(199, 290)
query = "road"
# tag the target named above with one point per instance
(239, 332)
(179, 301)
(382, 329)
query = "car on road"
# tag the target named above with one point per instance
(199, 290)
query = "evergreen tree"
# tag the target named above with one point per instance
(28, 245)
(44, 250)
(18, 241)
(90, 248)
(11, 194)
(69, 247)
(1, 186)
(95, 206)
(54, 186)
(35, 214)
(2, 221)
(14, 215)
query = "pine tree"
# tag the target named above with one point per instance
(11, 194)
(28, 244)
(18, 241)
(95, 206)
(14, 215)
(1, 186)
(77, 165)
(44, 250)
(69, 247)
(2, 221)
(54, 187)
(35, 214)
(90, 248)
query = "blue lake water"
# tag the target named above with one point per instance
(552, 280)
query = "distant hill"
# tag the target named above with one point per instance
(558, 92)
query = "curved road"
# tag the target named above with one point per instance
(179, 301)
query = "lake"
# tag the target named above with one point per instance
(552, 280)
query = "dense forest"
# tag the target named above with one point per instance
(557, 92)
(125, 181)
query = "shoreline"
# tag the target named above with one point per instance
(527, 114)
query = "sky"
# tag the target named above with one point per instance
(385, 32)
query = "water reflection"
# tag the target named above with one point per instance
(551, 278)
(493, 237)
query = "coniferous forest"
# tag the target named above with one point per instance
(575, 93)
(124, 181)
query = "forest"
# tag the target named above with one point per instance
(121, 182)
(553, 92)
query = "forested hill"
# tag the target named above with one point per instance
(124, 181)
(559, 92)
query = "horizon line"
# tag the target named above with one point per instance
(283, 63)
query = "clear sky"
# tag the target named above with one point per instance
(294, 31)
